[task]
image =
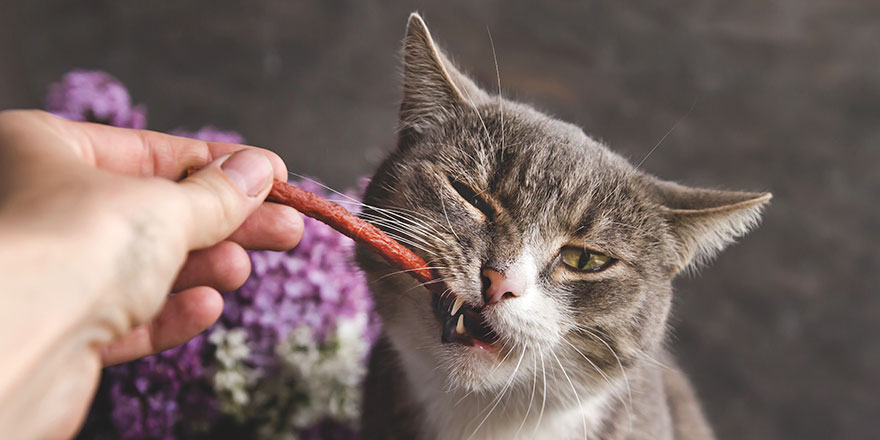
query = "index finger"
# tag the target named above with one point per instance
(149, 153)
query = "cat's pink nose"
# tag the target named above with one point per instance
(502, 287)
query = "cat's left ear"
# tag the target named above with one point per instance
(705, 221)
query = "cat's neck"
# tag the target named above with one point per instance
(549, 406)
(452, 416)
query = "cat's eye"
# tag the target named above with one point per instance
(584, 260)
(473, 198)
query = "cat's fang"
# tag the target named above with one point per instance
(459, 328)
(455, 306)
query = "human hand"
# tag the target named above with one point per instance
(97, 230)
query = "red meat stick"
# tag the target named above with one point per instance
(355, 228)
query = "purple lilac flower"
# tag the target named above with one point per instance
(313, 284)
(304, 297)
(163, 396)
(172, 394)
(95, 96)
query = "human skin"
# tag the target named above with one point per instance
(97, 227)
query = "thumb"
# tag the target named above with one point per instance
(220, 196)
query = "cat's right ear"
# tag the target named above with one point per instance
(433, 88)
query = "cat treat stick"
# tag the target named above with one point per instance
(352, 227)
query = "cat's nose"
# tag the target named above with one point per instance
(502, 287)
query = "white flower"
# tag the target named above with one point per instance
(231, 346)
(317, 381)
(232, 378)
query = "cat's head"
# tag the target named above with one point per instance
(554, 250)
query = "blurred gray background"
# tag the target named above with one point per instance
(780, 335)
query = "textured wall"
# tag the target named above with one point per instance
(780, 334)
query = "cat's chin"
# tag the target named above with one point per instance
(470, 347)
(472, 369)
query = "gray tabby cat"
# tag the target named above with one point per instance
(557, 257)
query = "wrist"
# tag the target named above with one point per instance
(41, 306)
(51, 330)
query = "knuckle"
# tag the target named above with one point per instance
(14, 118)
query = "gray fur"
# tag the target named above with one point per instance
(583, 352)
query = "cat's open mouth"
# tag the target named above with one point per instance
(463, 323)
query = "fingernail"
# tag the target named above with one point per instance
(249, 169)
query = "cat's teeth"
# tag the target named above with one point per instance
(459, 328)
(456, 305)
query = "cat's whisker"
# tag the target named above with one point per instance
(543, 393)
(498, 77)
(399, 227)
(443, 205)
(328, 188)
(409, 227)
(453, 160)
(619, 364)
(402, 239)
(498, 399)
(407, 215)
(417, 241)
(398, 213)
(349, 199)
(491, 372)
(607, 379)
(531, 397)
(644, 355)
(499, 364)
(693, 104)
(428, 283)
(398, 272)
(507, 401)
(576, 397)
(479, 116)
(419, 231)
(354, 201)
(593, 364)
